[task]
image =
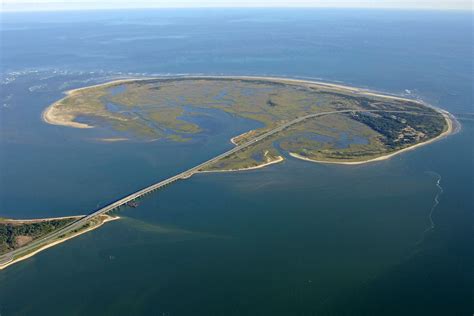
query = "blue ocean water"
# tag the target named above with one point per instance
(295, 238)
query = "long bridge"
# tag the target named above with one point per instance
(6, 258)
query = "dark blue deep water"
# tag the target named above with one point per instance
(296, 238)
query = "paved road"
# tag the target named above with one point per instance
(183, 175)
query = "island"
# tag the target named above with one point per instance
(343, 124)
(312, 121)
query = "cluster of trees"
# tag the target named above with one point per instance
(431, 125)
(384, 125)
(271, 103)
(391, 127)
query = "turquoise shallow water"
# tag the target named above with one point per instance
(295, 238)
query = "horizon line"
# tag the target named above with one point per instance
(2, 10)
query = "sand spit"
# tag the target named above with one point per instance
(52, 115)
(56, 242)
(263, 165)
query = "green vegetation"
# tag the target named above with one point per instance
(165, 108)
(401, 129)
(15, 234)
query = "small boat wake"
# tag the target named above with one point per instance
(434, 205)
(435, 201)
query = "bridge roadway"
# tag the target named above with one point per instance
(183, 175)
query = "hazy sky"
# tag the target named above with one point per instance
(35, 5)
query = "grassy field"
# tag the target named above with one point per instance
(160, 109)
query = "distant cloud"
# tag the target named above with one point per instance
(43, 5)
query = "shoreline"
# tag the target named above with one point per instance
(449, 130)
(56, 242)
(50, 117)
(263, 165)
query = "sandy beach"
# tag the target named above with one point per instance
(51, 116)
(42, 248)
(112, 140)
(334, 86)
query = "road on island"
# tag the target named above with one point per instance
(6, 258)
